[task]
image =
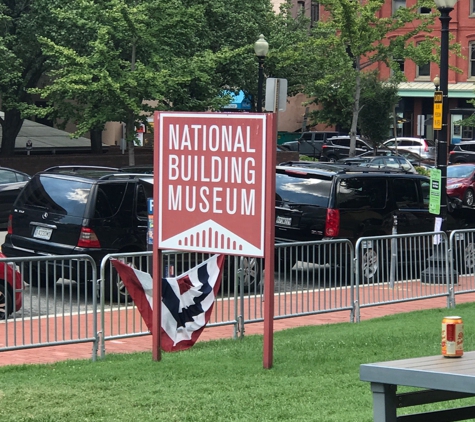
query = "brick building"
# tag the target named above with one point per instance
(416, 104)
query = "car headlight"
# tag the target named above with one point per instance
(455, 186)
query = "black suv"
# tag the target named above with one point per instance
(338, 147)
(310, 143)
(78, 210)
(463, 152)
(316, 201)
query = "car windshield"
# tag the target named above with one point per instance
(460, 171)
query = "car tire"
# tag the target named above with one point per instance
(372, 266)
(332, 158)
(34, 276)
(6, 300)
(248, 273)
(468, 198)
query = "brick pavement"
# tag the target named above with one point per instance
(137, 344)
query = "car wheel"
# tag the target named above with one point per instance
(332, 158)
(248, 273)
(6, 301)
(371, 266)
(34, 277)
(468, 197)
(466, 258)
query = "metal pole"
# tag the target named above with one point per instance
(444, 87)
(260, 84)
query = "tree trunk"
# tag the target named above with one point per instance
(12, 124)
(130, 137)
(96, 141)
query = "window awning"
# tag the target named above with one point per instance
(426, 89)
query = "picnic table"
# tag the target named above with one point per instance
(439, 378)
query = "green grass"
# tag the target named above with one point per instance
(315, 376)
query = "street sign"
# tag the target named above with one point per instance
(438, 100)
(276, 94)
(434, 191)
(212, 182)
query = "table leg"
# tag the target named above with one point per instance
(384, 402)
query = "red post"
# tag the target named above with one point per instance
(269, 247)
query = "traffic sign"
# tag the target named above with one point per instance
(438, 110)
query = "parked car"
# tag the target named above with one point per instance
(78, 210)
(310, 143)
(11, 288)
(423, 147)
(11, 183)
(338, 147)
(317, 201)
(463, 152)
(380, 161)
(461, 182)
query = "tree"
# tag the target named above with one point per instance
(140, 56)
(378, 100)
(350, 40)
(22, 62)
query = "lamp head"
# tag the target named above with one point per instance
(437, 81)
(445, 4)
(261, 47)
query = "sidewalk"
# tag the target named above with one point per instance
(144, 344)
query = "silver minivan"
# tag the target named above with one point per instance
(424, 147)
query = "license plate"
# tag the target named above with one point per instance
(42, 233)
(285, 221)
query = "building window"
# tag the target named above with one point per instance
(425, 10)
(397, 4)
(423, 71)
(472, 7)
(471, 70)
(314, 13)
(301, 7)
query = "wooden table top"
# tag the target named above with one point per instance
(434, 372)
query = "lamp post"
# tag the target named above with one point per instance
(261, 47)
(444, 7)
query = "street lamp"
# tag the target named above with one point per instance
(444, 7)
(261, 47)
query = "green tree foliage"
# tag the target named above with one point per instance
(22, 62)
(129, 58)
(378, 100)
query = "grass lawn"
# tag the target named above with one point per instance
(315, 376)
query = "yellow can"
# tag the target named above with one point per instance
(452, 337)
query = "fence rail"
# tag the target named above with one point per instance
(310, 278)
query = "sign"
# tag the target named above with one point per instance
(438, 101)
(211, 182)
(434, 191)
(421, 118)
(276, 94)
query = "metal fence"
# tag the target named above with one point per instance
(50, 314)
(310, 278)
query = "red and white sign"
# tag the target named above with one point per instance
(211, 181)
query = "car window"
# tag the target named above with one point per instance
(342, 142)
(109, 199)
(7, 176)
(405, 193)
(430, 142)
(302, 189)
(357, 193)
(57, 195)
(141, 202)
(307, 136)
(390, 143)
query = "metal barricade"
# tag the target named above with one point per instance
(58, 302)
(462, 247)
(400, 268)
(314, 277)
(120, 318)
